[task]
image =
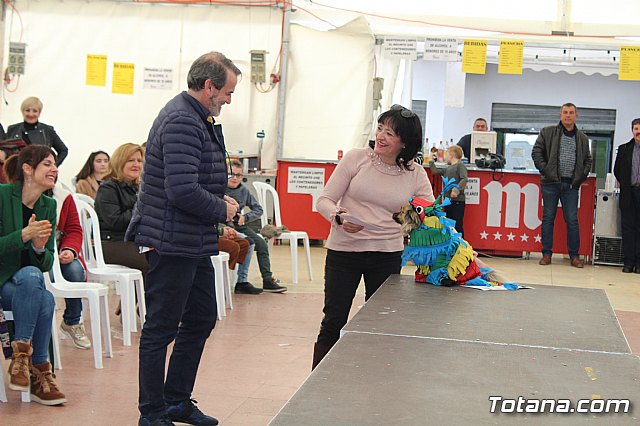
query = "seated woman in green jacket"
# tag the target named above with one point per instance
(27, 220)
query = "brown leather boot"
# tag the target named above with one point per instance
(43, 388)
(20, 366)
(319, 351)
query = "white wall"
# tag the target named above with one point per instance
(532, 87)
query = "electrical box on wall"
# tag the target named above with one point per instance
(17, 57)
(258, 66)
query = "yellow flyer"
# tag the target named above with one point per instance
(96, 70)
(122, 78)
(474, 56)
(510, 59)
(629, 63)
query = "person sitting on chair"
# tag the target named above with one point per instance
(241, 194)
(115, 200)
(71, 264)
(27, 252)
(89, 178)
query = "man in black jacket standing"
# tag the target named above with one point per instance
(561, 154)
(181, 201)
(627, 171)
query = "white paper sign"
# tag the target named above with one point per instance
(400, 47)
(440, 49)
(472, 191)
(158, 78)
(306, 180)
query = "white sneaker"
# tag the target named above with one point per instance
(77, 334)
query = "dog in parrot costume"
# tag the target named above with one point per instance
(440, 253)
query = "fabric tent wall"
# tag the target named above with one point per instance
(59, 35)
(329, 88)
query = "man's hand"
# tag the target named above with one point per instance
(37, 231)
(455, 192)
(241, 220)
(232, 207)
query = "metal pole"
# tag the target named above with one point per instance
(282, 89)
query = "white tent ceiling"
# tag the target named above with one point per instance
(583, 18)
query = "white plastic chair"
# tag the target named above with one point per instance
(26, 396)
(128, 281)
(95, 302)
(262, 190)
(222, 283)
(85, 198)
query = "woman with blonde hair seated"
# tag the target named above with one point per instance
(114, 204)
(26, 249)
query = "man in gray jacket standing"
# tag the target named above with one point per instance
(561, 154)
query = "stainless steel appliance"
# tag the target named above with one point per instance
(607, 240)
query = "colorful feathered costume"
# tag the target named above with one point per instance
(438, 250)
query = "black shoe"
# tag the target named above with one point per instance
(637, 270)
(162, 421)
(273, 286)
(187, 412)
(247, 288)
(627, 269)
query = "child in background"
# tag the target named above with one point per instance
(456, 170)
(241, 194)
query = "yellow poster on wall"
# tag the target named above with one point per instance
(96, 70)
(629, 63)
(474, 56)
(122, 78)
(510, 58)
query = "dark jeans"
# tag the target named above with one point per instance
(455, 211)
(342, 274)
(181, 305)
(262, 251)
(630, 221)
(569, 199)
(73, 272)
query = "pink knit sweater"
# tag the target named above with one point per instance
(371, 190)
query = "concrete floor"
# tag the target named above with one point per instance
(260, 353)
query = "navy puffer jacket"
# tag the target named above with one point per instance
(183, 181)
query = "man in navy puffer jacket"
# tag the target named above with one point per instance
(180, 203)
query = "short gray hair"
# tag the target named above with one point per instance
(210, 66)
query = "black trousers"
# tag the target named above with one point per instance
(342, 274)
(455, 211)
(630, 221)
(181, 306)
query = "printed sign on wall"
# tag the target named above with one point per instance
(306, 180)
(474, 56)
(96, 70)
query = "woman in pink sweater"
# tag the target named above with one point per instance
(369, 184)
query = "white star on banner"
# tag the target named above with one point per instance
(497, 236)
(511, 236)
(483, 235)
(538, 239)
(524, 237)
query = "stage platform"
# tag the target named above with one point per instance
(419, 355)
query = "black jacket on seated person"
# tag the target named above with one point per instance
(43, 134)
(114, 205)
